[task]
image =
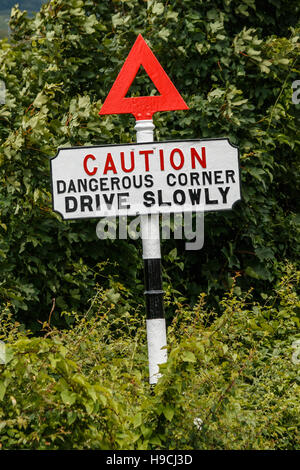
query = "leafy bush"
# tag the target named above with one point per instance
(229, 383)
(234, 64)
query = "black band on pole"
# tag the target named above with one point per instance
(154, 293)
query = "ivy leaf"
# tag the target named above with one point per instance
(3, 387)
(137, 420)
(168, 412)
(158, 8)
(188, 356)
(68, 397)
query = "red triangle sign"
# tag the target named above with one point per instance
(142, 107)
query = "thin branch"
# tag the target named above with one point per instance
(52, 309)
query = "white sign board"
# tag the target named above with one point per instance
(143, 178)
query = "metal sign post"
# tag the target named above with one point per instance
(156, 323)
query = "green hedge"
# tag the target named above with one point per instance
(231, 382)
(234, 64)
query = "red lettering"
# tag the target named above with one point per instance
(109, 164)
(88, 172)
(202, 160)
(127, 170)
(177, 167)
(162, 162)
(146, 153)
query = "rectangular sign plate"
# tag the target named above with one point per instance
(145, 178)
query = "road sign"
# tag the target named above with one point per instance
(143, 178)
(146, 178)
(142, 107)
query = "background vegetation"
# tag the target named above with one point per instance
(234, 63)
(230, 382)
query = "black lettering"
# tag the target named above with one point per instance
(195, 196)
(149, 181)
(98, 205)
(195, 177)
(82, 185)
(71, 187)
(230, 174)
(93, 184)
(182, 179)
(86, 202)
(138, 184)
(168, 179)
(68, 201)
(207, 200)
(218, 177)
(149, 198)
(126, 182)
(122, 200)
(224, 193)
(160, 199)
(206, 175)
(61, 186)
(115, 181)
(103, 184)
(182, 196)
(109, 199)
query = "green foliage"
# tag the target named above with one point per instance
(234, 63)
(229, 383)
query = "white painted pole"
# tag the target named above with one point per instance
(155, 323)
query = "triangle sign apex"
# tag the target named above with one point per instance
(142, 107)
